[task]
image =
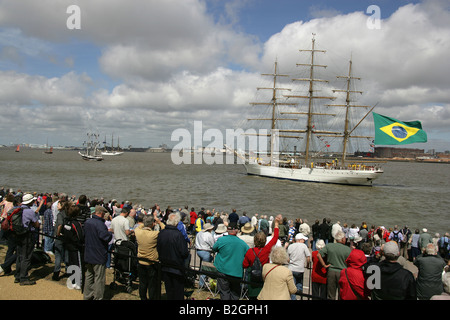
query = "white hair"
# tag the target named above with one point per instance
(173, 219)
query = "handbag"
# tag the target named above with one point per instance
(358, 296)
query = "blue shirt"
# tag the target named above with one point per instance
(29, 216)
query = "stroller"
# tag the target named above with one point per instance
(125, 264)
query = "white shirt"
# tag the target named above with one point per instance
(119, 225)
(297, 256)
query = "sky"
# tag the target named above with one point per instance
(141, 69)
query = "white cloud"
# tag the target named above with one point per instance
(172, 63)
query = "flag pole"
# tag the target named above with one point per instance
(363, 118)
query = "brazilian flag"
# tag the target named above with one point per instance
(391, 131)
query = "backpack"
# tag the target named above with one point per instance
(13, 221)
(256, 272)
(72, 234)
(395, 236)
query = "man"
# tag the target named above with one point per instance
(173, 251)
(85, 210)
(120, 225)
(243, 220)
(264, 225)
(25, 242)
(305, 229)
(230, 253)
(335, 228)
(430, 266)
(233, 219)
(336, 253)
(146, 237)
(396, 283)
(424, 239)
(204, 241)
(298, 253)
(97, 237)
(406, 233)
(247, 234)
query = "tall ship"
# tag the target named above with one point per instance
(282, 108)
(91, 151)
(112, 152)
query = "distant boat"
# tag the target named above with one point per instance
(48, 150)
(18, 148)
(112, 152)
(91, 152)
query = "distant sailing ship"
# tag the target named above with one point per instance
(280, 166)
(91, 152)
(112, 152)
(47, 149)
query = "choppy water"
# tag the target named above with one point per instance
(416, 194)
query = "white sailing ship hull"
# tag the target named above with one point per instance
(113, 153)
(320, 175)
(90, 157)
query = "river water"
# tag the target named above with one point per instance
(415, 194)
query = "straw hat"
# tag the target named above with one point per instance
(221, 228)
(247, 228)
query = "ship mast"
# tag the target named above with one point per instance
(309, 127)
(274, 103)
(347, 132)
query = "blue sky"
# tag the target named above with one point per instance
(142, 69)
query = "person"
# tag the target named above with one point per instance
(107, 217)
(199, 222)
(352, 283)
(278, 280)
(204, 242)
(60, 252)
(25, 242)
(243, 220)
(97, 238)
(336, 254)
(172, 251)
(443, 245)
(315, 234)
(73, 239)
(146, 238)
(47, 229)
(305, 229)
(193, 217)
(446, 284)
(430, 266)
(264, 225)
(325, 230)
(230, 252)
(395, 282)
(396, 235)
(233, 219)
(335, 228)
(261, 249)
(11, 252)
(318, 273)
(414, 241)
(120, 225)
(220, 231)
(247, 234)
(298, 254)
(85, 211)
(353, 231)
(424, 240)
(404, 244)
(255, 221)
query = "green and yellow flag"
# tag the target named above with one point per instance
(391, 131)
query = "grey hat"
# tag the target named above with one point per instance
(391, 247)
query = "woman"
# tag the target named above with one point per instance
(278, 280)
(262, 250)
(352, 284)
(73, 238)
(318, 273)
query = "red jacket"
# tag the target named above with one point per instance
(319, 273)
(262, 253)
(355, 274)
